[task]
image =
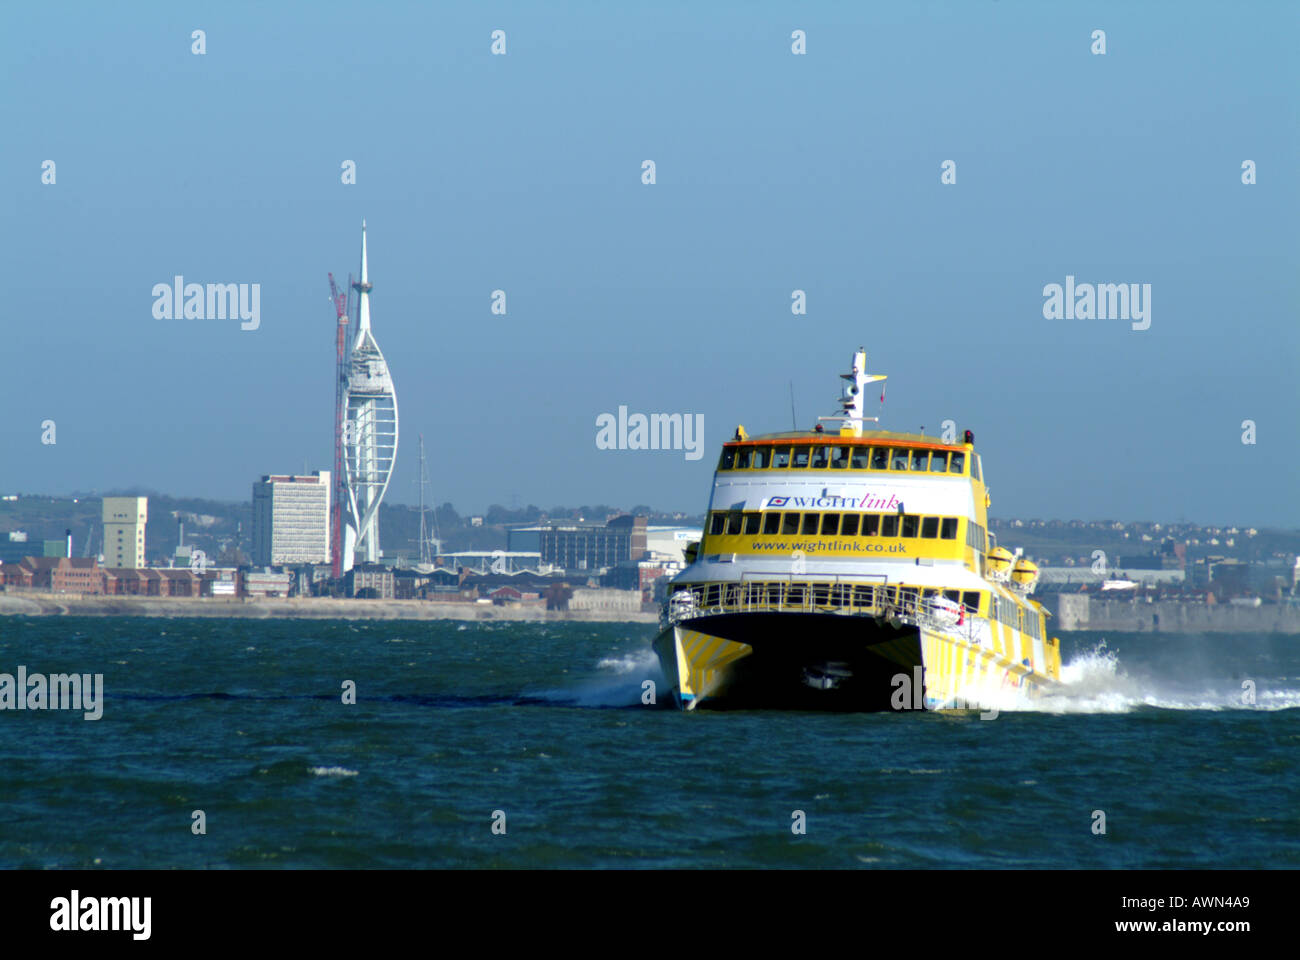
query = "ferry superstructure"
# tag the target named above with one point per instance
(852, 569)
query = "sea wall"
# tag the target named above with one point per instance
(1080, 612)
(306, 608)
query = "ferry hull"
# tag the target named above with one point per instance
(811, 661)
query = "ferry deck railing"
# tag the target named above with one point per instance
(759, 593)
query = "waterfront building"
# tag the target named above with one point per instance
(125, 519)
(291, 519)
(583, 545)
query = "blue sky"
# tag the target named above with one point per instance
(775, 172)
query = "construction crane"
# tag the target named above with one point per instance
(340, 301)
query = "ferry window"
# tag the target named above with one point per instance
(810, 524)
(762, 457)
(839, 457)
(790, 524)
(871, 525)
(899, 459)
(849, 525)
(862, 595)
(949, 529)
(861, 456)
(939, 461)
(971, 600)
(728, 458)
(830, 524)
(889, 525)
(879, 458)
(919, 459)
(780, 458)
(908, 596)
(930, 528)
(772, 523)
(911, 524)
(717, 523)
(957, 462)
(733, 523)
(800, 459)
(742, 458)
(891, 595)
(751, 524)
(821, 457)
(953, 595)
(979, 472)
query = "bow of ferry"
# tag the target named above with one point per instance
(853, 570)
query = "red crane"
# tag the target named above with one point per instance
(340, 301)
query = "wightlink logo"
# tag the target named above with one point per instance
(213, 301)
(76, 913)
(658, 431)
(58, 691)
(1098, 301)
(869, 501)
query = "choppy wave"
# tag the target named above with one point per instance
(1097, 681)
(625, 688)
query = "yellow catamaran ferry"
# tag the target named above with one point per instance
(853, 570)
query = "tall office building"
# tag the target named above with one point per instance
(124, 523)
(291, 519)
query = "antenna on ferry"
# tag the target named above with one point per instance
(794, 422)
(853, 401)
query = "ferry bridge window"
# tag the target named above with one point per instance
(849, 525)
(889, 525)
(953, 595)
(971, 600)
(762, 457)
(728, 458)
(751, 524)
(821, 457)
(957, 462)
(717, 523)
(733, 523)
(772, 522)
(839, 457)
(899, 459)
(911, 524)
(810, 524)
(870, 525)
(930, 528)
(830, 524)
(790, 524)
(742, 458)
(879, 458)
(780, 458)
(919, 459)
(948, 531)
(860, 457)
(939, 461)
(979, 472)
(800, 458)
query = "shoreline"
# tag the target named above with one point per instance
(295, 608)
